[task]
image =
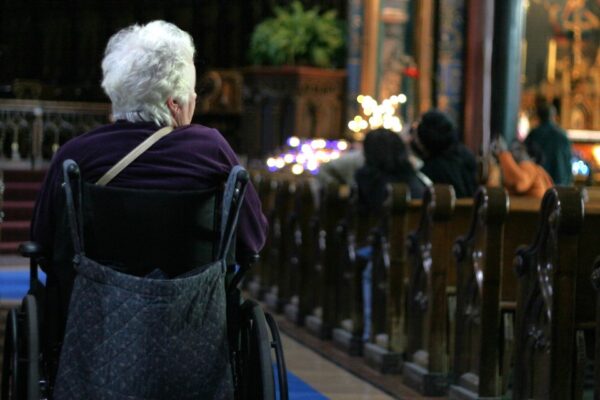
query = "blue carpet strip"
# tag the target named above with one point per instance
(14, 284)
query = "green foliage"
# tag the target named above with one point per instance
(296, 36)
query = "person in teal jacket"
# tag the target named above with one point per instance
(550, 147)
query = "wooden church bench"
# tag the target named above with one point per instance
(325, 286)
(278, 294)
(431, 285)
(385, 348)
(259, 278)
(555, 293)
(595, 279)
(486, 292)
(387, 281)
(304, 252)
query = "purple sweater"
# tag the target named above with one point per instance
(191, 157)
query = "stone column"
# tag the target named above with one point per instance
(478, 73)
(506, 68)
(425, 36)
(370, 47)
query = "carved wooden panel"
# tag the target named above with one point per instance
(548, 271)
(479, 255)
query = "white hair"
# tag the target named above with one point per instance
(143, 66)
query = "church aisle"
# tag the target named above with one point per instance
(324, 376)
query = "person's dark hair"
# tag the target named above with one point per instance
(545, 112)
(436, 133)
(385, 151)
(386, 160)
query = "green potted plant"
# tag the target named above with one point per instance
(293, 88)
(295, 36)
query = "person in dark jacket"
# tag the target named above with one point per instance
(550, 147)
(446, 160)
(386, 161)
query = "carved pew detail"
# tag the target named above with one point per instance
(546, 300)
(426, 369)
(479, 273)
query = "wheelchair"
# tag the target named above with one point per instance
(141, 245)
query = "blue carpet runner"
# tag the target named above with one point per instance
(14, 284)
(300, 390)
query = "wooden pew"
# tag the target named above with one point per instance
(358, 231)
(385, 348)
(327, 291)
(486, 292)
(553, 303)
(595, 279)
(263, 278)
(431, 301)
(303, 255)
(479, 274)
(279, 293)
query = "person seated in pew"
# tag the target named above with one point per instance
(520, 175)
(445, 159)
(386, 161)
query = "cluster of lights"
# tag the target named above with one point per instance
(377, 115)
(307, 155)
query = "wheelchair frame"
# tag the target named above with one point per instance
(253, 334)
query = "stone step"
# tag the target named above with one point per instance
(9, 247)
(21, 191)
(18, 175)
(18, 210)
(15, 231)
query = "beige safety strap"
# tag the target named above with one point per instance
(133, 154)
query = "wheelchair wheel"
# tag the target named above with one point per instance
(21, 364)
(10, 366)
(279, 358)
(257, 380)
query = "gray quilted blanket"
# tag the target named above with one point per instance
(140, 338)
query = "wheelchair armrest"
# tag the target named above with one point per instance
(30, 249)
(245, 263)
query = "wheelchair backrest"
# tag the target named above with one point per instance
(137, 231)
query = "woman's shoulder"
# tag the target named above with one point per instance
(207, 137)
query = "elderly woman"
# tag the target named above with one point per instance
(149, 75)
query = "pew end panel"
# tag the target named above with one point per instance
(334, 208)
(478, 313)
(385, 348)
(429, 249)
(303, 252)
(278, 295)
(546, 317)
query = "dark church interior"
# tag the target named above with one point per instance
(300, 199)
